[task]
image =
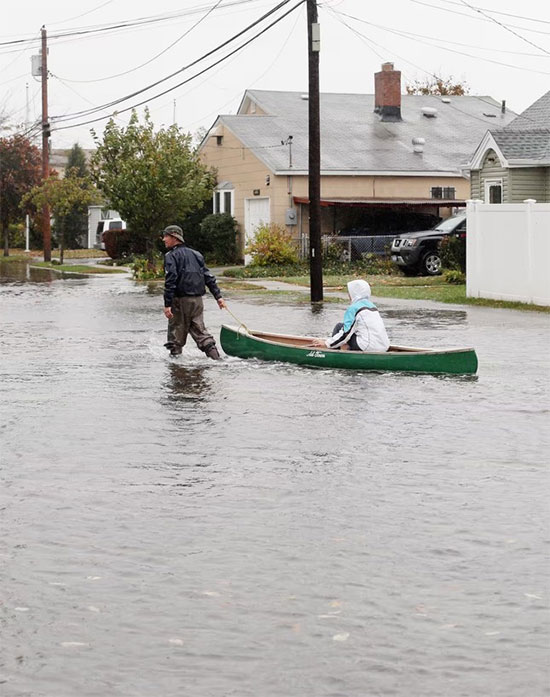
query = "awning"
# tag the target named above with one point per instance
(387, 202)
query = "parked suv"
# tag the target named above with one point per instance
(418, 252)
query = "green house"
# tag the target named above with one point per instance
(512, 164)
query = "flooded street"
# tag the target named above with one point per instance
(202, 529)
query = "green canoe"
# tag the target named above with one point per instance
(238, 341)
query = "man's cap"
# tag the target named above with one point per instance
(174, 231)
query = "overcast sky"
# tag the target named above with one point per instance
(500, 48)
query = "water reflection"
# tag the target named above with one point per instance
(17, 272)
(185, 383)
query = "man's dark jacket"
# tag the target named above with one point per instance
(186, 275)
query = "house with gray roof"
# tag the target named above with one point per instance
(389, 162)
(512, 164)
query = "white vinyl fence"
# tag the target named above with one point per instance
(508, 251)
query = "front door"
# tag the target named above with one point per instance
(256, 213)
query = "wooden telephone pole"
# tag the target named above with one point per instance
(46, 231)
(315, 251)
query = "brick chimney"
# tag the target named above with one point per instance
(387, 93)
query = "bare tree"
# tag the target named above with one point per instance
(439, 85)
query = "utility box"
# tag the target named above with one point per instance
(291, 217)
(36, 66)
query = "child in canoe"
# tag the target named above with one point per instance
(362, 329)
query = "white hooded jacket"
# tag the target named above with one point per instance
(362, 319)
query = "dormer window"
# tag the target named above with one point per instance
(219, 140)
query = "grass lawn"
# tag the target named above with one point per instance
(19, 254)
(413, 288)
(77, 268)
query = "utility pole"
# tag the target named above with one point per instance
(315, 251)
(46, 231)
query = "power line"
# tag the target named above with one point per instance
(445, 48)
(496, 12)
(481, 19)
(99, 29)
(407, 34)
(217, 111)
(89, 112)
(506, 28)
(89, 12)
(127, 72)
(193, 77)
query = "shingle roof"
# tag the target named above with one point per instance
(354, 140)
(524, 144)
(527, 137)
(535, 116)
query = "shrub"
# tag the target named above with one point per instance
(379, 264)
(16, 232)
(120, 244)
(454, 276)
(217, 238)
(144, 270)
(453, 253)
(335, 252)
(272, 244)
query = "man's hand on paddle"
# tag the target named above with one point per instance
(221, 303)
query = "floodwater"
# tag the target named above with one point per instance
(187, 527)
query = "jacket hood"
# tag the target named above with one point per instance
(358, 290)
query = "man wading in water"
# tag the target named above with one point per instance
(185, 281)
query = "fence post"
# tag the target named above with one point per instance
(473, 245)
(529, 230)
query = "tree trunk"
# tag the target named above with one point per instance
(149, 248)
(61, 240)
(6, 232)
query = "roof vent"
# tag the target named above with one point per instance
(429, 112)
(305, 97)
(445, 100)
(418, 144)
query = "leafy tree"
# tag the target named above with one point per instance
(76, 220)
(76, 162)
(62, 196)
(439, 86)
(20, 170)
(151, 178)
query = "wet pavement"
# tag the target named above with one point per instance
(190, 527)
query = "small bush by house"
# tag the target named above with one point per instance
(272, 245)
(120, 244)
(453, 253)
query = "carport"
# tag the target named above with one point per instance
(371, 216)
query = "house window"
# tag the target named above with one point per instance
(493, 191)
(446, 192)
(223, 201)
(219, 140)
